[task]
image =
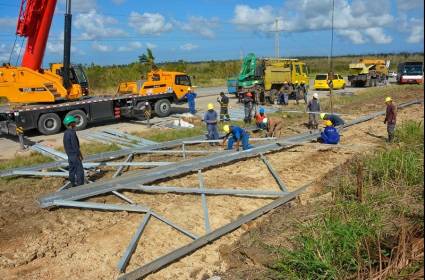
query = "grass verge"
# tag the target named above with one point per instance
(374, 227)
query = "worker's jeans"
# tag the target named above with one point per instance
(224, 114)
(76, 171)
(262, 125)
(244, 140)
(213, 132)
(312, 121)
(248, 112)
(391, 132)
(192, 108)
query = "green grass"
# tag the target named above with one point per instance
(20, 161)
(172, 134)
(341, 240)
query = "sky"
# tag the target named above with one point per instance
(107, 32)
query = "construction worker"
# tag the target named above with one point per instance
(335, 119)
(390, 118)
(191, 96)
(248, 102)
(223, 100)
(313, 108)
(283, 96)
(210, 118)
(297, 90)
(72, 150)
(259, 119)
(330, 135)
(304, 91)
(238, 135)
(273, 126)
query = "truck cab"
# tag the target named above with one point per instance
(159, 82)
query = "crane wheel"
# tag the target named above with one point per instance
(163, 108)
(49, 124)
(81, 118)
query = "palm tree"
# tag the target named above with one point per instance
(148, 59)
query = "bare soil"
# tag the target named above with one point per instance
(81, 244)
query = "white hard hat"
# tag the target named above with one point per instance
(315, 96)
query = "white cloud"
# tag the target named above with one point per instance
(132, 46)
(188, 47)
(8, 22)
(200, 25)
(5, 51)
(151, 46)
(355, 36)
(378, 35)
(355, 20)
(416, 31)
(148, 23)
(101, 47)
(94, 26)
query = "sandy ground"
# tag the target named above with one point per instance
(81, 244)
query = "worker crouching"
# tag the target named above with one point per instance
(335, 119)
(259, 119)
(235, 134)
(273, 127)
(72, 150)
(330, 135)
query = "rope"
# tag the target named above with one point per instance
(20, 50)
(13, 49)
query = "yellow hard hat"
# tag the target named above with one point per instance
(388, 99)
(226, 128)
(328, 123)
(322, 116)
(210, 106)
(296, 82)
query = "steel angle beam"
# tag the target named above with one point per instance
(276, 176)
(210, 191)
(122, 264)
(130, 136)
(204, 202)
(49, 151)
(101, 206)
(103, 156)
(208, 238)
(40, 173)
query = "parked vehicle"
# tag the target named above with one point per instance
(232, 86)
(368, 72)
(321, 82)
(410, 73)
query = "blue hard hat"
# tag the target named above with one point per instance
(262, 111)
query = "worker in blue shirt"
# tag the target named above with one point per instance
(72, 150)
(238, 135)
(191, 96)
(335, 119)
(330, 135)
(210, 118)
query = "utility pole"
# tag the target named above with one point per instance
(277, 39)
(331, 65)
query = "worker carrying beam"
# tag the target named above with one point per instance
(273, 127)
(72, 150)
(223, 100)
(236, 134)
(335, 119)
(390, 118)
(210, 118)
(330, 135)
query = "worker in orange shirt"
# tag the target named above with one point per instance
(259, 119)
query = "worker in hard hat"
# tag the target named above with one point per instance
(390, 118)
(72, 150)
(191, 96)
(248, 102)
(304, 91)
(297, 90)
(330, 135)
(259, 119)
(223, 100)
(335, 119)
(313, 107)
(273, 127)
(238, 135)
(211, 119)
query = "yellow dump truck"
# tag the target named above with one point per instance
(159, 82)
(368, 72)
(266, 76)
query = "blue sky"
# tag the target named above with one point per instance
(117, 31)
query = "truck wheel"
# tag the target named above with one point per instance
(49, 124)
(163, 108)
(81, 119)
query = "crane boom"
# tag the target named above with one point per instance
(34, 22)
